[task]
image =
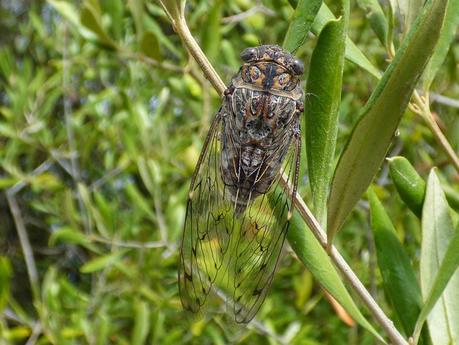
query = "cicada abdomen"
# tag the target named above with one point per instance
(235, 224)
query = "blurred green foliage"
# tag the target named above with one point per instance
(102, 118)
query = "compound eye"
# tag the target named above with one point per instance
(298, 67)
(283, 79)
(255, 73)
(248, 54)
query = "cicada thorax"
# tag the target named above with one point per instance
(257, 132)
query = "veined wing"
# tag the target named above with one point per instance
(207, 225)
(257, 241)
(247, 246)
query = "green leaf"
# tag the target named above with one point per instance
(452, 195)
(301, 23)
(410, 186)
(372, 135)
(438, 266)
(91, 19)
(115, 9)
(66, 10)
(353, 53)
(136, 9)
(69, 12)
(317, 261)
(101, 262)
(376, 18)
(71, 236)
(149, 45)
(448, 32)
(5, 281)
(103, 329)
(400, 282)
(211, 34)
(96, 215)
(322, 110)
(141, 323)
(447, 272)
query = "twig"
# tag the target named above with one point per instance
(435, 97)
(21, 229)
(128, 244)
(251, 11)
(25, 243)
(36, 331)
(75, 170)
(12, 316)
(195, 50)
(421, 107)
(148, 60)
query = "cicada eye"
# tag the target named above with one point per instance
(298, 67)
(248, 54)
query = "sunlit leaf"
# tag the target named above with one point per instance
(322, 109)
(301, 23)
(149, 45)
(400, 282)
(102, 262)
(371, 136)
(439, 262)
(448, 32)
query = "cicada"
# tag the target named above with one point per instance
(236, 221)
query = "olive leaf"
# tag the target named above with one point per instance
(372, 135)
(323, 98)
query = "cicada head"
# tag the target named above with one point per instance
(271, 67)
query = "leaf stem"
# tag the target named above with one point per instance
(422, 108)
(195, 50)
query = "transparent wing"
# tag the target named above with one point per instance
(207, 225)
(258, 239)
(237, 254)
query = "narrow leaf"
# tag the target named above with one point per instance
(372, 135)
(301, 23)
(317, 261)
(376, 18)
(114, 8)
(446, 273)
(353, 53)
(101, 262)
(66, 10)
(141, 323)
(137, 11)
(149, 45)
(211, 34)
(91, 19)
(69, 12)
(400, 282)
(410, 186)
(448, 32)
(5, 281)
(439, 262)
(322, 110)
